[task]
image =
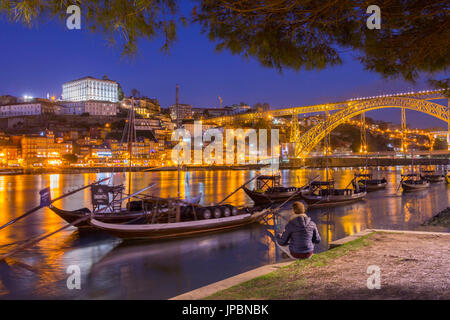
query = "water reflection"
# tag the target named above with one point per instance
(113, 269)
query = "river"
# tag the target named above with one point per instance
(111, 269)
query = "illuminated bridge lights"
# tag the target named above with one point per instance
(307, 141)
(423, 94)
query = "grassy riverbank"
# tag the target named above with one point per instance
(413, 266)
(442, 219)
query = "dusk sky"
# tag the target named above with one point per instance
(36, 61)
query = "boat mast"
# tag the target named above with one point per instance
(178, 178)
(179, 122)
(364, 141)
(131, 136)
(326, 146)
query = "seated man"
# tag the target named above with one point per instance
(301, 233)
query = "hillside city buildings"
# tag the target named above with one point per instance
(86, 122)
(85, 127)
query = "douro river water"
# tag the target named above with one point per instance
(112, 269)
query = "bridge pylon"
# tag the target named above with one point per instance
(295, 133)
(404, 146)
(363, 148)
(327, 142)
(295, 128)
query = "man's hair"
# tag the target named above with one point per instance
(299, 208)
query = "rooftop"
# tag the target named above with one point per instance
(90, 78)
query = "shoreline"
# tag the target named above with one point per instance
(262, 282)
(294, 165)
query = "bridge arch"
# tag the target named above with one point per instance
(307, 141)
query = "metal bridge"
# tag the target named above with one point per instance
(340, 112)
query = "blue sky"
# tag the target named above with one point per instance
(36, 61)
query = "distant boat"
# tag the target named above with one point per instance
(323, 193)
(269, 190)
(367, 182)
(432, 176)
(413, 182)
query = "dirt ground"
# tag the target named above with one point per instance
(412, 266)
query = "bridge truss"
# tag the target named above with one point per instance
(283, 112)
(340, 112)
(308, 140)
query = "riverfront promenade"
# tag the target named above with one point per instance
(413, 265)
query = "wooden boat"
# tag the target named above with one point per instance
(107, 200)
(136, 211)
(432, 176)
(413, 182)
(269, 190)
(447, 178)
(153, 231)
(366, 182)
(172, 217)
(323, 193)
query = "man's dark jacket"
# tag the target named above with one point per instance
(301, 234)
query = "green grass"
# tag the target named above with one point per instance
(280, 284)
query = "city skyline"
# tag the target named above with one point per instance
(79, 53)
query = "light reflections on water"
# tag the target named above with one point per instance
(112, 269)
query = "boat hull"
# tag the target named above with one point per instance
(435, 178)
(71, 216)
(176, 229)
(375, 187)
(372, 185)
(332, 200)
(268, 198)
(408, 187)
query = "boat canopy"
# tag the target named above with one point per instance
(269, 178)
(322, 183)
(264, 182)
